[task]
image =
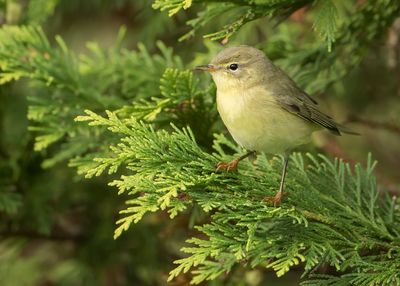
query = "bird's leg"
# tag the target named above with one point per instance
(232, 165)
(277, 199)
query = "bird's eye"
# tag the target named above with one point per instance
(233, 67)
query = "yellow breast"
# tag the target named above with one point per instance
(257, 122)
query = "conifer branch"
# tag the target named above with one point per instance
(315, 65)
(333, 216)
(327, 199)
(70, 83)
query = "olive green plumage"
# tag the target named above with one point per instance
(262, 90)
(263, 108)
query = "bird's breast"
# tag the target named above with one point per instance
(258, 123)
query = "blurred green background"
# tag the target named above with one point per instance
(57, 228)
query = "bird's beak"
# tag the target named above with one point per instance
(207, 68)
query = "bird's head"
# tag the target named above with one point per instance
(240, 66)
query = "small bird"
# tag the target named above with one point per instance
(263, 108)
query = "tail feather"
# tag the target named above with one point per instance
(346, 130)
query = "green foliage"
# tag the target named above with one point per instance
(168, 171)
(39, 10)
(67, 84)
(134, 151)
(31, 11)
(11, 266)
(325, 21)
(10, 201)
(173, 7)
(142, 122)
(314, 65)
(241, 12)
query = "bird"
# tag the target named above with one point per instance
(263, 109)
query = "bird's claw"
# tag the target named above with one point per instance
(275, 200)
(230, 166)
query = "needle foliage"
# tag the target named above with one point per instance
(139, 121)
(169, 171)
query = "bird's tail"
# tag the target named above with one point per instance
(346, 130)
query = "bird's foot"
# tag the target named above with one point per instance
(230, 166)
(277, 199)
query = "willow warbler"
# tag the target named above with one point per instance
(263, 109)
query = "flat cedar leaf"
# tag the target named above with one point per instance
(173, 6)
(325, 22)
(169, 171)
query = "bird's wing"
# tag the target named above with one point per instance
(301, 104)
(301, 95)
(291, 98)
